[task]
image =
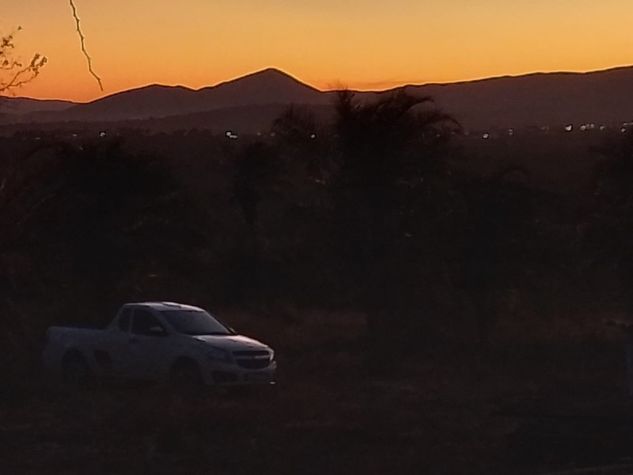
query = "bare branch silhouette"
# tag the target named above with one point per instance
(25, 74)
(82, 39)
(14, 72)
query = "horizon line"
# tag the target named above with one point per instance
(395, 84)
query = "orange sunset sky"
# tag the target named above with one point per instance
(365, 44)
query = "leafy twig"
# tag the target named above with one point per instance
(19, 74)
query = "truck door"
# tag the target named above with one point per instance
(119, 344)
(146, 345)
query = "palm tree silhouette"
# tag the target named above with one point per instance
(387, 155)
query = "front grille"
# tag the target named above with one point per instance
(252, 359)
(254, 364)
(251, 353)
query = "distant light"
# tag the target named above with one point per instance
(510, 132)
(569, 128)
(485, 136)
(231, 135)
(603, 128)
(102, 134)
(623, 129)
(313, 136)
(583, 127)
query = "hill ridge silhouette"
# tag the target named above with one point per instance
(533, 99)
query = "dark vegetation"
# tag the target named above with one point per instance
(437, 301)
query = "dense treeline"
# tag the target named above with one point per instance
(381, 212)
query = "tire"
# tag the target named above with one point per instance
(186, 377)
(76, 370)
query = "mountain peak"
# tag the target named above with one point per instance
(269, 72)
(272, 71)
(268, 77)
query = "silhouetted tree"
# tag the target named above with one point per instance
(256, 171)
(300, 140)
(610, 236)
(88, 213)
(388, 156)
(255, 177)
(28, 185)
(14, 73)
(295, 125)
(497, 225)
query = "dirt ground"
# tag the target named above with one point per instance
(531, 405)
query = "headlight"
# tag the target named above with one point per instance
(218, 354)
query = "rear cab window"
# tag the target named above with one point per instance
(145, 322)
(124, 319)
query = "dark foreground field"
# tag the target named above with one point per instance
(522, 408)
(479, 273)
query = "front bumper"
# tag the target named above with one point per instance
(234, 375)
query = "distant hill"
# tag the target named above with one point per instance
(25, 105)
(265, 87)
(250, 102)
(602, 97)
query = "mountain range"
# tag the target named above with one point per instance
(250, 103)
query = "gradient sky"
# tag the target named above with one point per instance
(365, 44)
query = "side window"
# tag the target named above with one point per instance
(144, 323)
(124, 319)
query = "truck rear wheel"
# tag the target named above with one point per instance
(75, 370)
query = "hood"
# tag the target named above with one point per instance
(232, 342)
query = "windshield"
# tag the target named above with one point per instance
(195, 322)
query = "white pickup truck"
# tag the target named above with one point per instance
(163, 342)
